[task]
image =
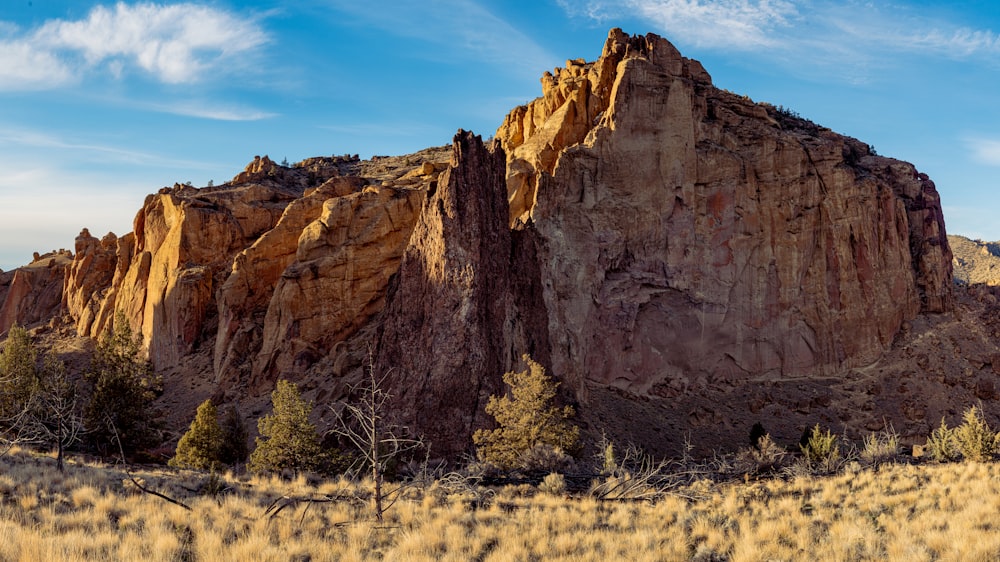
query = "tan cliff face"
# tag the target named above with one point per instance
(680, 257)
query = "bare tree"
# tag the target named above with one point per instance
(368, 426)
(59, 420)
(38, 404)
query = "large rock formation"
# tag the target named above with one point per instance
(244, 296)
(681, 257)
(691, 235)
(460, 312)
(339, 279)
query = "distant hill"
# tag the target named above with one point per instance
(975, 261)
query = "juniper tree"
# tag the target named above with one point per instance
(235, 434)
(122, 390)
(288, 440)
(526, 419)
(201, 446)
(18, 386)
(38, 403)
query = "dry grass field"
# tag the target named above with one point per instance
(897, 512)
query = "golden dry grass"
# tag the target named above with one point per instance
(900, 512)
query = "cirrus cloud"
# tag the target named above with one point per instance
(984, 150)
(177, 43)
(741, 24)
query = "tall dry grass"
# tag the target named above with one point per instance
(897, 512)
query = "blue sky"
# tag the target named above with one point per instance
(102, 103)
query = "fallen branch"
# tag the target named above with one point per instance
(132, 478)
(155, 493)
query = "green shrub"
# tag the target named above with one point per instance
(821, 450)
(288, 440)
(974, 438)
(554, 484)
(941, 445)
(526, 419)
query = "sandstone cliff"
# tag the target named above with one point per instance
(689, 243)
(691, 235)
(682, 258)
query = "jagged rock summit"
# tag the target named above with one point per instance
(683, 259)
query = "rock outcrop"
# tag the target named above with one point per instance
(456, 318)
(339, 278)
(33, 294)
(89, 280)
(690, 235)
(244, 296)
(680, 257)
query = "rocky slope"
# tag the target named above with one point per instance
(681, 258)
(975, 261)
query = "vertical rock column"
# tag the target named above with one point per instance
(443, 345)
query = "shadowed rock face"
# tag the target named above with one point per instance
(678, 256)
(463, 307)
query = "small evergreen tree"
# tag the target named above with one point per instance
(200, 447)
(18, 388)
(288, 440)
(526, 419)
(235, 435)
(123, 388)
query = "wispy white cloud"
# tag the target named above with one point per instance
(740, 24)
(177, 43)
(464, 27)
(24, 67)
(23, 138)
(214, 112)
(984, 150)
(853, 36)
